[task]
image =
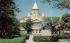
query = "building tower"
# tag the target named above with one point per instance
(36, 18)
(35, 13)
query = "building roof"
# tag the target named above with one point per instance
(35, 6)
(36, 20)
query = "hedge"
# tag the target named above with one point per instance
(41, 38)
(45, 38)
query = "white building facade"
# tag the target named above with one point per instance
(37, 19)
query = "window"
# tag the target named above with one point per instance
(39, 31)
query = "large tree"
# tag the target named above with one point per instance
(8, 22)
(51, 22)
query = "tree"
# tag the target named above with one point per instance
(59, 3)
(8, 22)
(28, 25)
(66, 20)
(52, 21)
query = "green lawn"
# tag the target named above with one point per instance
(14, 40)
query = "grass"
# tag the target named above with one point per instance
(14, 40)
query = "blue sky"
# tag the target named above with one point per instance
(26, 6)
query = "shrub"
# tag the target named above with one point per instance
(42, 38)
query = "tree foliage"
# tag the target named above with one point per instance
(59, 3)
(66, 20)
(8, 22)
(51, 21)
(28, 25)
(58, 24)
